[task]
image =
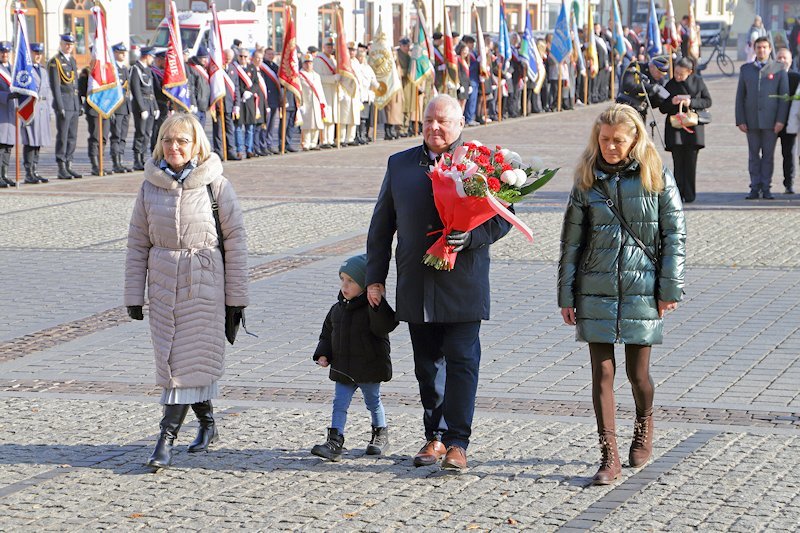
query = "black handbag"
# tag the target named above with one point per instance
(234, 316)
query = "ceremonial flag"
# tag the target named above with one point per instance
(654, 47)
(175, 85)
(480, 45)
(421, 66)
(504, 49)
(349, 82)
(591, 48)
(671, 35)
(621, 44)
(104, 92)
(217, 77)
(450, 58)
(22, 79)
(576, 43)
(381, 59)
(529, 52)
(561, 44)
(289, 69)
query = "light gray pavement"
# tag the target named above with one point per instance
(79, 405)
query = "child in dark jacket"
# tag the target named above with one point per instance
(355, 343)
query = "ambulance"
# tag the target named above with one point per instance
(195, 30)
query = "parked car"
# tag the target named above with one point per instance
(710, 29)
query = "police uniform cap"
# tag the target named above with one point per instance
(37, 47)
(362, 45)
(68, 38)
(146, 51)
(437, 35)
(405, 40)
(312, 49)
(202, 51)
(351, 45)
(660, 63)
(308, 58)
(329, 42)
(161, 54)
(5, 46)
(119, 47)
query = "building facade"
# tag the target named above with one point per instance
(48, 19)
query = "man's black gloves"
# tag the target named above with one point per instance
(459, 239)
(135, 312)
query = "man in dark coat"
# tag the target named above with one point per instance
(162, 101)
(784, 57)
(8, 110)
(91, 116)
(143, 106)
(444, 309)
(760, 115)
(198, 84)
(269, 71)
(121, 117)
(231, 104)
(62, 71)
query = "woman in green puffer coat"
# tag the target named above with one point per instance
(608, 286)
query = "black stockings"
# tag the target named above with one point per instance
(637, 365)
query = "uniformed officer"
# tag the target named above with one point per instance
(143, 106)
(198, 83)
(231, 104)
(63, 73)
(643, 84)
(162, 101)
(8, 108)
(37, 133)
(92, 119)
(119, 120)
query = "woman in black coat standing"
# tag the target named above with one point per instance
(684, 143)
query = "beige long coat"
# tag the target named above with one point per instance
(173, 247)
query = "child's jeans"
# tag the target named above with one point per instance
(343, 394)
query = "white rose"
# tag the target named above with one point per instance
(508, 177)
(514, 159)
(477, 143)
(505, 152)
(521, 177)
(537, 163)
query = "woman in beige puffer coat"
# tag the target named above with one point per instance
(173, 248)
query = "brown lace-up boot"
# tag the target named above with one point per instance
(642, 445)
(610, 468)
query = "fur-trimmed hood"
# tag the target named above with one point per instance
(202, 175)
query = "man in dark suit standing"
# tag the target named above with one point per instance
(231, 103)
(784, 57)
(62, 73)
(121, 117)
(444, 309)
(760, 115)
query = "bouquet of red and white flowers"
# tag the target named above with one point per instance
(474, 184)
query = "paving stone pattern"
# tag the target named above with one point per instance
(78, 399)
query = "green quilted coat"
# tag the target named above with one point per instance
(604, 274)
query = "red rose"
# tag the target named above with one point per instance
(483, 160)
(484, 150)
(494, 184)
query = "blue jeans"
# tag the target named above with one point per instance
(472, 102)
(273, 128)
(240, 146)
(343, 394)
(248, 137)
(447, 358)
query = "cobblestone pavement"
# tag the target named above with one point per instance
(80, 411)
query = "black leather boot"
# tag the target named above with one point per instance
(68, 166)
(138, 162)
(332, 448)
(170, 425)
(39, 177)
(388, 135)
(4, 181)
(208, 429)
(62, 171)
(27, 158)
(95, 166)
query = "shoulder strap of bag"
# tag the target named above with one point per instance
(624, 223)
(215, 211)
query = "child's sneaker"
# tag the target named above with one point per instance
(333, 447)
(379, 442)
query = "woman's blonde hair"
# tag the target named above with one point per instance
(184, 123)
(643, 149)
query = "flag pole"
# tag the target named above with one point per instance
(558, 105)
(221, 118)
(283, 123)
(100, 135)
(374, 122)
(500, 93)
(525, 94)
(613, 72)
(16, 147)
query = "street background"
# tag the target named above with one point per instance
(80, 412)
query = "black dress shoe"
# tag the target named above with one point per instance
(31, 180)
(42, 179)
(767, 196)
(290, 148)
(326, 146)
(752, 196)
(234, 158)
(788, 190)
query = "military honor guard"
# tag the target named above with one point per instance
(162, 102)
(231, 103)
(8, 107)
(143, 106)
(325, 66)
(198, 83)
(63, 73)
(271, 134)
(37, 133)
(92, 123)
(119, 120)
(312, 115)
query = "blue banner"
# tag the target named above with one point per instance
(562, 44)
(504, 49)
(654, 47)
